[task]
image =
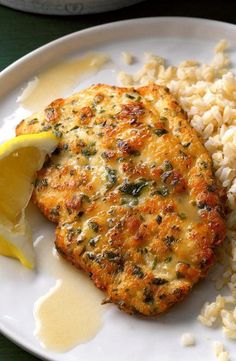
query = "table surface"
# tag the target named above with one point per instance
(16, 40)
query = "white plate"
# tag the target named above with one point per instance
(122, 337)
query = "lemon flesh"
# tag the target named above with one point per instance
(17, 245)
(20, 158)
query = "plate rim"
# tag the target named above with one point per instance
(12, 335)
(54, 44)
(105, 26)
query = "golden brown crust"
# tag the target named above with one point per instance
(132, 190)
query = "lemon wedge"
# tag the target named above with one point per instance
(20, 158)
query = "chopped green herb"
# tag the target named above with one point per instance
(75, 127)
(133, 189)
(46, 127)
(90, 256)
(33, 121)
(55, 211)
(186, 145)
(65, 146)
(159, 219)
(204, 205)
(93, 241)
(164, 192)
(56, 126)
(57, 151)
(169, 240)
(137, 271)
(203, 165)
(163, 119)
(143, 250)
(159, 281)
(182, 215)
(111, 177)
(41, 182)
(166, 175)
(80, 240)
(130, 96)
(89, 150)
(85, 198)
(148, 296)
(135, 152)
(149, 299)
(167, 165)
(183, 155)
(203, 263)
(111, 255)
(161, 131)
(94, 226)
(72, 232)
(80, 214)
(134, 202)
(57, 133)
(211, 188)
(154, 264)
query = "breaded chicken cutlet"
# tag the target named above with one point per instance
(131, 189)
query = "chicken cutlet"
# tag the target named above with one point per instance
(132, 191)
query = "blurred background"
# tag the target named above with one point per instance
(22, 32)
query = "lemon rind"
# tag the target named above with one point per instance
(36, 140)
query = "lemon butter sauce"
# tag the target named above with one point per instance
(70, 313)
(54, 82)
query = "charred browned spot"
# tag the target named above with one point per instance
(57, 103)
(169, 208)
(160, 248)
(126, 148)
(115, 234)
(184, 270)
(91, 208)
(19, 127)
(88, 187)
(166, 90)
(53, 111)
(108, 154)
(218, 227)
(98, 98)
(206, 259)
(136, 170)
(174, 179)
(223, 198)
(142, 235)
(112, 261)
(156, 173)
(86, 113)
(131, 111)
(175, 106)
(113, 197)
(132, 223)
(150, 207)
(74, 203)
